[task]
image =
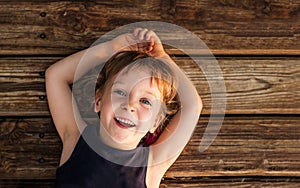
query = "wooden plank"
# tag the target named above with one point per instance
(22, 86)
(242, 27)
(27, 183)
(226, 26)
(246, 146)
(254, 85)
(241, 182)
(29, 148)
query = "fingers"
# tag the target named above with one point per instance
(143, 34)
(145, 39)
(140, 33)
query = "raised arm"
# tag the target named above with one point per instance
(180, 129)
(178, 132)
(60, 75)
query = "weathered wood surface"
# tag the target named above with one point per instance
(245, 146)
(251, 150)
(27, 183)
(235, 182)
(226, 26)
(242, 182)
(22, 86)
(253, 85)
(29, 148)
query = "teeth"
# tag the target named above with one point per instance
(127, 122)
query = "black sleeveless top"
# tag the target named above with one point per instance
(94, 164)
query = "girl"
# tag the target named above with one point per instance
(135, 93)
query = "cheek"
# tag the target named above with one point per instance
(106, 106)
(116, 102)
(147, 115)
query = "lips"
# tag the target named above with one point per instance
(124, 123)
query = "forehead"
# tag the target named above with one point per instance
(137, 79)
(133, 75)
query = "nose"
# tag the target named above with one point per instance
(128, 106)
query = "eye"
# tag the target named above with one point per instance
(146, 102)
(120, 92)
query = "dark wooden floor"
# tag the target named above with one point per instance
(257, 45)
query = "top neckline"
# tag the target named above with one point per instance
(137, 157)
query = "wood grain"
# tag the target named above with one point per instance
(22, 86)
(253, 85)
(226, 26)
(232, 182)
(257, 43)
(246, 146)
(182, 182)
(29, 148)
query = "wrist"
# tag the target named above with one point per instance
(165, 57)
(112, 47)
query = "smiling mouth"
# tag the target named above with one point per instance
(124, 123)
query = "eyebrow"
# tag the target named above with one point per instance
(153, 94)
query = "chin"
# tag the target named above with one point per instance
(125, 142)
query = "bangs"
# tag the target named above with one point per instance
(161, 75)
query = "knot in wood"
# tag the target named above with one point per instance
(266, 162)
(221, 162)
(7, 127)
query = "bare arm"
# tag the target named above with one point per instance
(61, 74)
(58, 78)
(179, 130)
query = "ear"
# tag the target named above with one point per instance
(158, 121)
(97, 104)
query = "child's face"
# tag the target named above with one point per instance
(130, 107)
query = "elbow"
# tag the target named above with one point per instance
(52, 74)
(193, 107)
(198, 106)
(48, 73)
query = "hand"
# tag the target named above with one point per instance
(148, 42)
(141, 39)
